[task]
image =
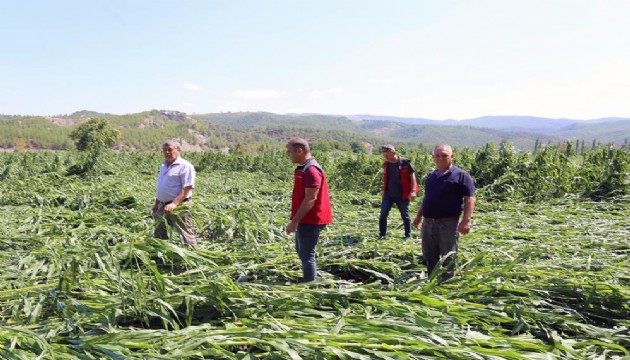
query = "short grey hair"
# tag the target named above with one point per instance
(172, 143)
(446, 147)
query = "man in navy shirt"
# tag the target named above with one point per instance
(449, 192)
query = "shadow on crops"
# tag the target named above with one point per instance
(354, 274)
(603, 305)
(345, 240)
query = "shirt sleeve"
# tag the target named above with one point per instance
(188, 176)
(411, 170)
(468, 185)
(313, 178)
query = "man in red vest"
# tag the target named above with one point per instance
(310, 205)
(399, 187)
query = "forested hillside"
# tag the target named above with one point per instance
(257, 131)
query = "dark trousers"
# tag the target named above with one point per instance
(439, 240)
(306, 239)
(182, 221)
(386, 206)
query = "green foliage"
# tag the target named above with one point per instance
(92, 138)
(82, 278)
(499, 174)
(491, 164)
(95, 135)
(599, 174)
(258, 131)
(359, 173)
(37, 132)
(608, 173)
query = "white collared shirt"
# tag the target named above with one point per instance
(173, 178)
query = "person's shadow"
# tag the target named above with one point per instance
(345, 240)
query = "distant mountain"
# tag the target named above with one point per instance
(456, 135)
(88, 114)
(386, 129)
(404, 120)
(259, 120)
(606, 131)
(510, 123)
(520, 123)
(607, 119)
(249, 131)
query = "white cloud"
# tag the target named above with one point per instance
(188, 104)
(192, 87)
(256, 94)
(318, 94)
(380, 81)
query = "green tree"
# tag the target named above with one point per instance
(358, 148)
(95, 135)
(92, 138)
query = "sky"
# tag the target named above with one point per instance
(451, 59)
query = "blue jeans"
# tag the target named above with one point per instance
(306, 239)
(386, 206)
(439, 240)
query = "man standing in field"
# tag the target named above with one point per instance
(399, 187)
(449, 191)
(176, 181)
(310, 205)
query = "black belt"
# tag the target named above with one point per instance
(185, 200)
(440, 220)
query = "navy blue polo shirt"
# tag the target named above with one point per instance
(444, 193)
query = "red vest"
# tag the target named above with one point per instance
(405, 177)
(321, 212)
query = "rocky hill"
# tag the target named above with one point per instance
(253, 131)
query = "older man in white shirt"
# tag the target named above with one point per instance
(176, 181)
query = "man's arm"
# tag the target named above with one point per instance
(182, 195)
(306, 206)
(469, 208)
(418, 219)
(156, 203)
(414, 184)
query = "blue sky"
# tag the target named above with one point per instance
(430, 59)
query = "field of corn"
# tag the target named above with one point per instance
(544, 273)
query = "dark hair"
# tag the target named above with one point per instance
(388, 147)
(297, 142)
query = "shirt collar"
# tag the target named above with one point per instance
(307, 161)
(177, 161)
(437, 171)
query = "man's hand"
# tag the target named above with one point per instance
(292, 227)
(417, 221)
(413, 195)
(169, 207)
(464, 226)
